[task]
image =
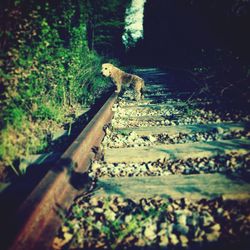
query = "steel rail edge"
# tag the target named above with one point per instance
(37, 220)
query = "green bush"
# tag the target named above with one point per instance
(49, 111)
(46, 69)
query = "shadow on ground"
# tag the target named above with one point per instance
(12, 196)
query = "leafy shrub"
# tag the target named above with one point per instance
(46, 69)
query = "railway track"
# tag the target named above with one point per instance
(169, 173)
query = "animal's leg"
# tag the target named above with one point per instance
(142, 94)
(138, 96)
(138, 91)
(142, 89)
(118, 88)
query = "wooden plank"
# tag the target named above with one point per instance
(158, 98)
(155, 86)
(166, 95)
(179, 151)
(166, 104)
(194, 187)
(147, 70)
(172, 130)
(146, 117)
(161, 100)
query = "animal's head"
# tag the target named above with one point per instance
(107, 69)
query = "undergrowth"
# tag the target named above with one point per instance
(223, 77)
(47, 72)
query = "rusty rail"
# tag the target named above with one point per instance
(37, 220)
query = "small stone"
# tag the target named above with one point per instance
(151, 168)
(173, 238)
(98, 210)
(65, 229)
(132, 135)
(164, 240)
(164, 225)
(215, 227)
(95, 166)
(192, 221)
(150, 232)
(199, 233)
(151, 138)
(214, 236)
(170, 228)
(182, 219)
(183, 240)
(220, 210)
(170, 209)
(162, 232)
(226, 215)
(58, 243)
(211, 163)
(181, 228)
(110, 215)
(128, 218)
(206, 219)
(140, 242)
(198, 239)
(99, 244)
(168, 113)
(93, 201)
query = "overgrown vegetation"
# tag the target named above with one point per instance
(105, 24)
(220, 75)
(47, 72)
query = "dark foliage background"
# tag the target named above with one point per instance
(177, 32)
(207, 39)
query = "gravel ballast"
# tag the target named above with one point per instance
(155, 223)
(105, 221)
(116, 139)
(171, 114)
(230, 163)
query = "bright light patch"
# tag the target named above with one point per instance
(133, 23)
